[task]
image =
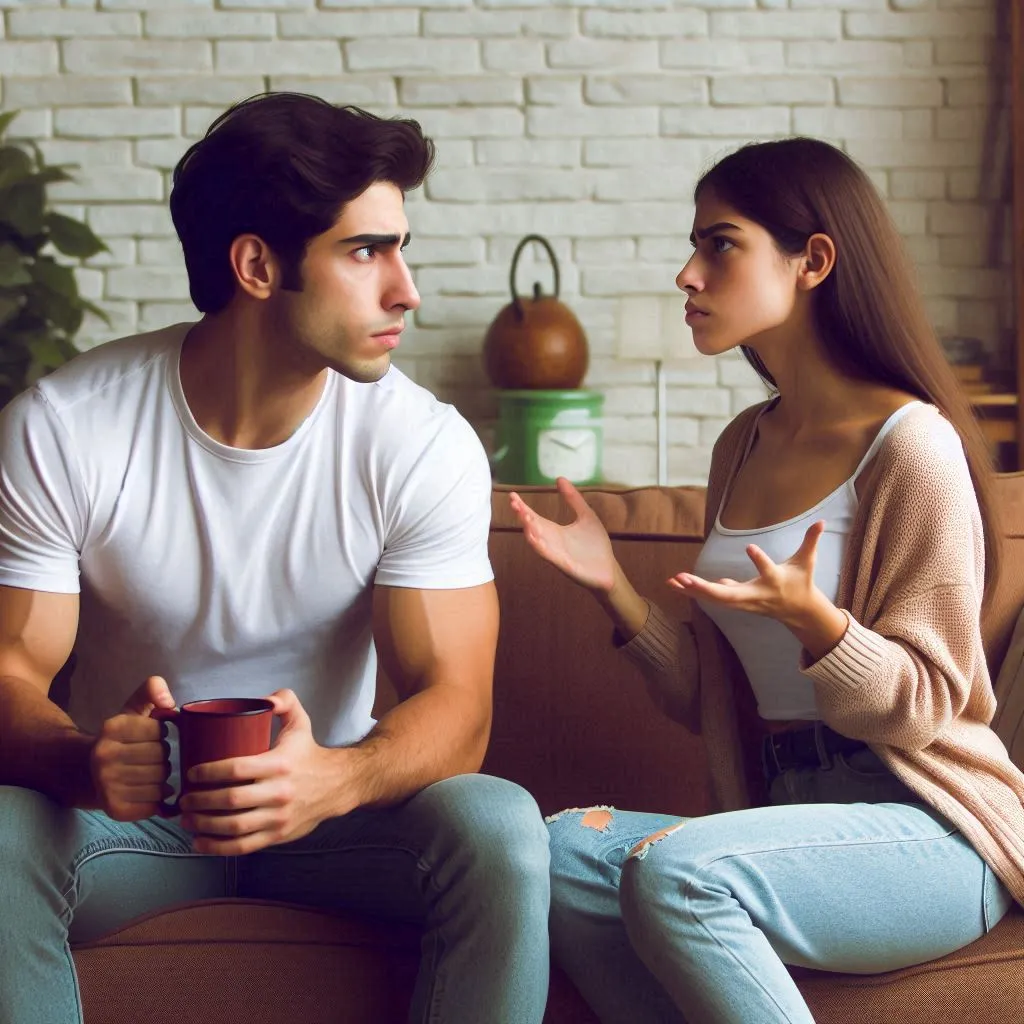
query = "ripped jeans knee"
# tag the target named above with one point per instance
(599, 817)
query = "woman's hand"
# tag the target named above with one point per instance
(581, 550)
(782, 590)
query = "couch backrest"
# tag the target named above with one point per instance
(572, 720)
(1008, 598)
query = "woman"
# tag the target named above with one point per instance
(871, 818)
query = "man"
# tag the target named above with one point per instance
(260, 502)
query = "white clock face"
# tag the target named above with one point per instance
(567, 451)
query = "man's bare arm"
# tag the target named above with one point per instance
(40, 746)
(437, 647)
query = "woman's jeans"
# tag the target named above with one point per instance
(660, 919)
(467, 858)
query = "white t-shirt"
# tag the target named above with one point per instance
(233, 572)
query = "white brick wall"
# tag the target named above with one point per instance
(585, 121)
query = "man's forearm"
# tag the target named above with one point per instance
(437, 733)
(41, 747)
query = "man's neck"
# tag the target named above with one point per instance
(240, 390)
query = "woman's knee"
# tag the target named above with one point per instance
(660, 878)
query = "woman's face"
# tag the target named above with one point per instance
(740, 288)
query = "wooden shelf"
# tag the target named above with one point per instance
(985, 401)
(1017, 165)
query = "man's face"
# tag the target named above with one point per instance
(356, 289)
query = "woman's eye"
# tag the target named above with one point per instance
(721, 244)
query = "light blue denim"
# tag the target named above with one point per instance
(698, 926)
(467, 858)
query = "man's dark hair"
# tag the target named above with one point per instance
(282, 166)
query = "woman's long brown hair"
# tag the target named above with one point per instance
(868, 311)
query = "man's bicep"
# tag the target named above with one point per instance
(37, 633)
(425, 637)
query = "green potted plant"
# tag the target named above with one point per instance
(40, 307)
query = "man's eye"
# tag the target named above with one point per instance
(365, 254)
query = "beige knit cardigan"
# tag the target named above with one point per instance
(909, 677)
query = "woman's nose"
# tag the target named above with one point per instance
(689, 278)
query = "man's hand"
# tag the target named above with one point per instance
(127, 761)
(270, 798)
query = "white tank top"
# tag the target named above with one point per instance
(767, 650)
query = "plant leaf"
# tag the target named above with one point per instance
(9, 307)
(21, 207)
(15, 165)
(46, 175)
(12, 269)
(46, 351)
(6, 118)
(72, 237)
(55, 277)
(95, 310)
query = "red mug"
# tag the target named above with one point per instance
(213, 730)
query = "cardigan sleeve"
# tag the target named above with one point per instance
(912, 654)
(665, 652)
(902, 682)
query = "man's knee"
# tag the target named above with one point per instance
(28, 819)
(495, 818)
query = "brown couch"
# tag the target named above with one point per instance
(574, 726)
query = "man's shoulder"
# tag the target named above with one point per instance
(120, 364)
(410, 415)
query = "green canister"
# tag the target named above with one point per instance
(542, 435)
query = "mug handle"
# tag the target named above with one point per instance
(168, 807)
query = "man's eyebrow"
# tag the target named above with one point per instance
(720, 226)
(378, 240)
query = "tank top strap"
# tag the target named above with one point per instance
(882, 432)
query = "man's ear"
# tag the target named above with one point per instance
(254, 265)
(817, 261)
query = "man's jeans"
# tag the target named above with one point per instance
(847, 872)
(467, 858)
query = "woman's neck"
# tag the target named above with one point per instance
(813, 393)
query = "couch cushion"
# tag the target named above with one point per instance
(983, 983)
(1009, 720)
(249, 962)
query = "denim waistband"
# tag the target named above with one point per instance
(814, 746)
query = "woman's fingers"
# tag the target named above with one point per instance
(809, 545)
(572, 497)
(762, 563)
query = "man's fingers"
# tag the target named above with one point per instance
(154, 692)
(141, 775)
(228, 847)
(231, 799)
(125, 796)
(132, 729)
(236, 770)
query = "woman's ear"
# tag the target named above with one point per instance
(254, 265)
(817, 261)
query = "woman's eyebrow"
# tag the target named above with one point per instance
(704, 232)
